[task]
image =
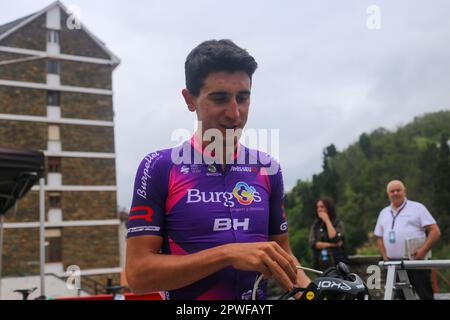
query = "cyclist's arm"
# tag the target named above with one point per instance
(148, 271)
(283, 240)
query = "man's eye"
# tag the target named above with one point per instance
(241, 99)
(220, 99)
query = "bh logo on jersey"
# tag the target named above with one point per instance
(245, 194)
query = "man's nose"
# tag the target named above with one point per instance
(233, 110)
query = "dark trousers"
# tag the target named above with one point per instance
(421, 281)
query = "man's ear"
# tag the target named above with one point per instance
(189, 99)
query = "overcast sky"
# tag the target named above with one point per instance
(324, 76)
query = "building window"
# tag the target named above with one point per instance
(53, 36)
(54, 200)
(53, 244)
(53, 133)
(53, 98)
(54, 164)
(52, 66)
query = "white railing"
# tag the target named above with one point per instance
(398, 268)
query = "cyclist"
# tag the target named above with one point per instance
(206, 221)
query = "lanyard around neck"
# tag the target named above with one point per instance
(395, 217)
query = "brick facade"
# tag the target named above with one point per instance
(77, 42)
(23, 101)
(27, 209)
(91, 247)
(83, 74)
(86, 106)
(21, 252)
(87, 138)
(28, 71)
(31, 36)
(86, 171)
(87, 247)
(89, 205)
(23, 135)
(75, 205)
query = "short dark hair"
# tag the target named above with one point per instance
(213, 56)
(329, 204)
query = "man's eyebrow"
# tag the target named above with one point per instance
(225, 93)
(218, 93)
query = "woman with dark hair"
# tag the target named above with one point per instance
(326, 236)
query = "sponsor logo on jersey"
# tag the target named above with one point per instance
(144, 229)
(212, 171)
(243, 169)
(142, 190)
(242, 192)
(247, 295)
(195, 168)
(141, 212)
(284, 226)
(184, 169)
(224, 224)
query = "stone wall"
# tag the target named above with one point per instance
(89, 205)
(23, 101)
(77, 42)
(91, 247)
(21, 252)
(86, 106)
(88, 171)
(87, 138)
(28, 71)
(23, 135)
(31, 36)
(83, 74)
(75, 205)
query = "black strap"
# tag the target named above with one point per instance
(395, 217)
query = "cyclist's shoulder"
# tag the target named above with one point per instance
(158, 159)
(260, 157)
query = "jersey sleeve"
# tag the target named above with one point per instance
(146, 216)
(277, 215)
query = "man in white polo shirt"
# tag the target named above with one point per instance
(404, 220)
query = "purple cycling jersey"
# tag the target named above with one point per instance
(195, 205)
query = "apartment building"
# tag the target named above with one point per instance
(56, 96)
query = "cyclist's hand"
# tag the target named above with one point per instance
(266, 257)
